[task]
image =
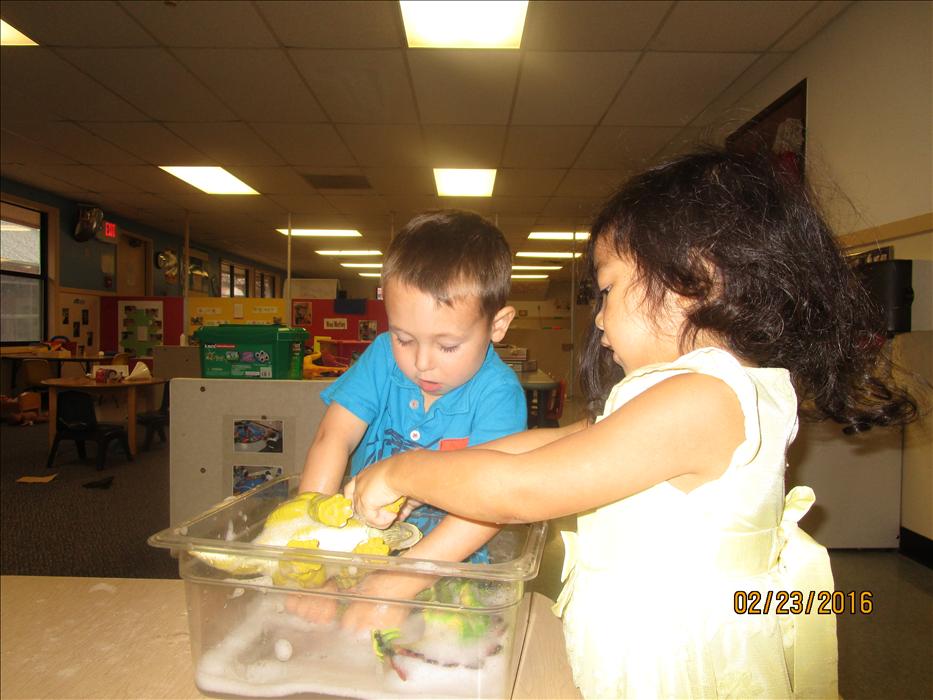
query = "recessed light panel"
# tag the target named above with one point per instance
(322, 232)
(529, 277)
(209, 179)
(362, 265)
(528, 268)
(453, 24)
(559, 235)
(464, 182)
(340, 253)
(11, 36)
(547, 254)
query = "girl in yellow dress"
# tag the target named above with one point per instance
(729, 309)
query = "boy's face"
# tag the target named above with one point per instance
(439, 347)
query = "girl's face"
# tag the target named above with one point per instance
(636, 335)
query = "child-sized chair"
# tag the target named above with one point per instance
(555, 406)
(155, 421)
(76, 420)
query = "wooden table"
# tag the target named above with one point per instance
(128, 638)
(86, 361)
(86, 384)
(538, 386)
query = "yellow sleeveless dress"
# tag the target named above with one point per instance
(650, 581)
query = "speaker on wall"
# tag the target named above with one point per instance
(889, 284)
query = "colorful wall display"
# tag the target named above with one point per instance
(141, 326)
(214, 311)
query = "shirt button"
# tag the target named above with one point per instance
(415, 435)
(413, 404)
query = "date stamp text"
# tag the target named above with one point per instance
(803, 602)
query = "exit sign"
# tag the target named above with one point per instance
(109, 233)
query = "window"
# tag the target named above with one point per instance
(22, 275)
(234, 280)
(199, 278)
(265, 284)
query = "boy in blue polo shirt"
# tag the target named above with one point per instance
(432, 381)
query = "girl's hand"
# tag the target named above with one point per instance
(371, 493)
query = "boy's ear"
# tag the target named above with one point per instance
(501, 321)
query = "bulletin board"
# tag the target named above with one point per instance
(77, 318)
(141, 326)
(213, 311)
(328, 318)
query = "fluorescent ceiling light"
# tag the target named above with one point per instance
(454, 24)
(537, 267)
(529, 277)
(369, 265)
(559, 235)
(370, 274)
(11, 36)
(546, 254)
(464, 182)
(209, 179)
(348, 252)
(322, 232)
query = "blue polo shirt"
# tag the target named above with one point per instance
(488, 406)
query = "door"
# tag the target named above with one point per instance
(133, 255)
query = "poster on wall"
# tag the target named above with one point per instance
(368, 330)
(303, 315)
(140, 326)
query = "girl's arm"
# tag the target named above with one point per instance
(684, 429)
(337, 436)
(528, 440)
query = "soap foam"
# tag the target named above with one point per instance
(323, 659)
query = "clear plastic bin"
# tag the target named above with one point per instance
(461, 637)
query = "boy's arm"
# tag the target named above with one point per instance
(337, 436)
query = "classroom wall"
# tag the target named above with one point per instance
(870, 157)
(83, 270)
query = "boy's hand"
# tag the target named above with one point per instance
(364, 616)
(371, 493)
(320, 610)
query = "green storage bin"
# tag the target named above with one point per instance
(239, 351)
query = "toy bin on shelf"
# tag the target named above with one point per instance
(460, 637)
(240, 351)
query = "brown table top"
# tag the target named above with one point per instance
(88, 383)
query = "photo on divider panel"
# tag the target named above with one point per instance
(251, 435)
(248, 477)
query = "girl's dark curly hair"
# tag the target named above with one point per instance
(745, 243)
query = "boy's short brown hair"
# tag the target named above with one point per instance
(450, 254)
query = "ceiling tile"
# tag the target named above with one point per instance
(151, 142)
(362, 205)
(302, 205)
(408, 206)
(719, 111)
(580, 207)
(518, 206)
(726, 26)
(340, 24)
(670, 89)
(32, 175)
(258, 85)
(590, 183)
(511, 182)
(273, 179)
(148, 178)
(390, 181)
(463, 146)
(463, 87)
(543, 147)
(75, 23)
(228, 143)
(480, 205)
(73, 141)
(624, 147)
(61, 88)
(821, 15)
(17, 106)
(569, 87)
(87, 178)
(308, 145)
(208, 23)
(359, 86)
(596, 25)
(376, 145)
(152, 80)
(17, 149)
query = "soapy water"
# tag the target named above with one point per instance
(272, 653)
